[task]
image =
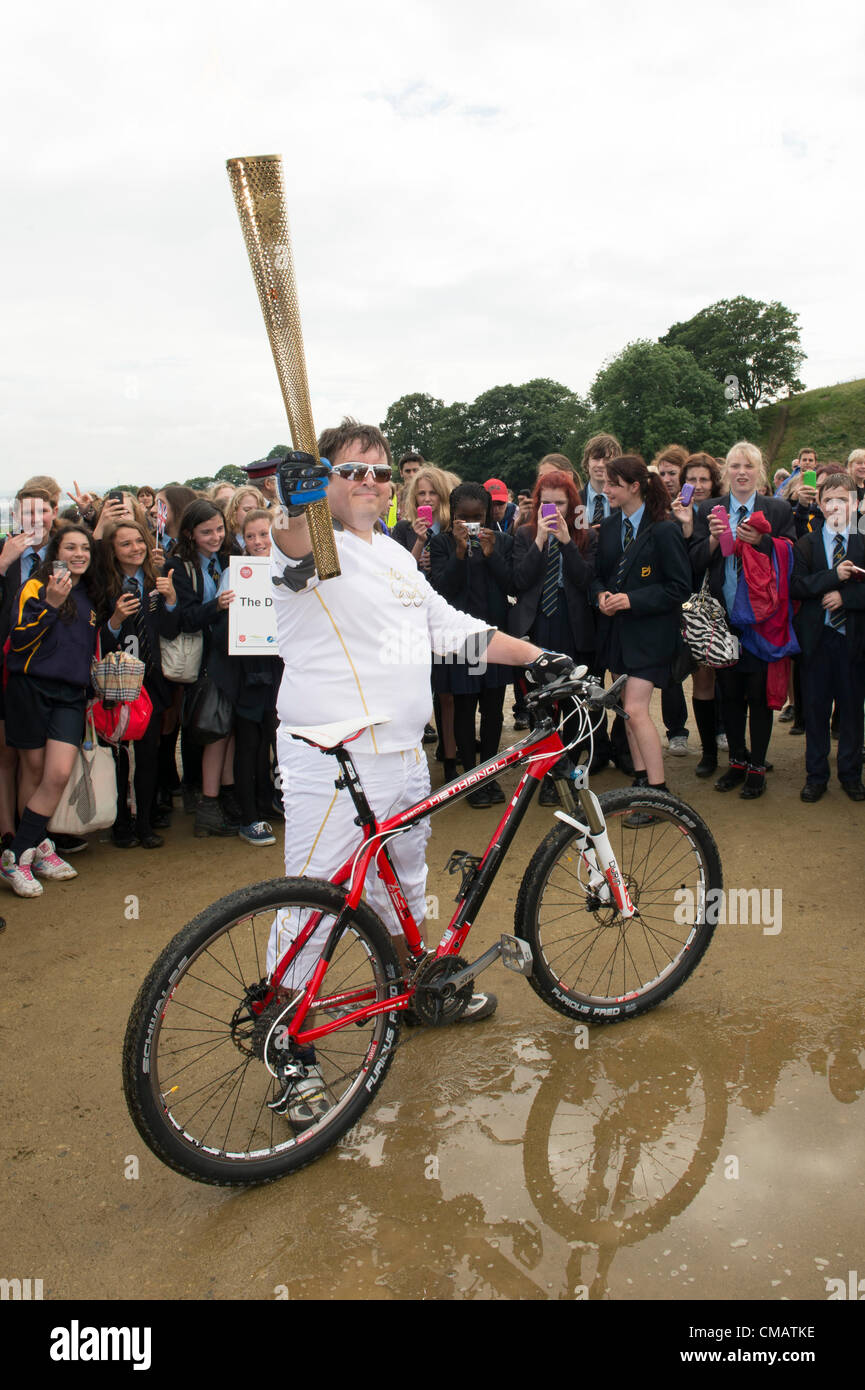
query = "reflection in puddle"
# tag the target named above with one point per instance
(692, 1154)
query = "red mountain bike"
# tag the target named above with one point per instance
(235, 1073)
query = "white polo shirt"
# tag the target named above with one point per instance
(360, 644)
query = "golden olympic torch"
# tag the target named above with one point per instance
(259, 194)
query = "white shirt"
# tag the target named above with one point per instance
(360, 644)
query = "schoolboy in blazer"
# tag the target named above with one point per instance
(830, 626)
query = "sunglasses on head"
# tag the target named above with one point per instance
(356, 472)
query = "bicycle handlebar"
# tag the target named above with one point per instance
(586, 691)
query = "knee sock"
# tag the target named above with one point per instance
(30, 833)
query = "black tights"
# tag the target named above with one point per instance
(743, 695)
(491, 703)
(145, 778)
(252, 756)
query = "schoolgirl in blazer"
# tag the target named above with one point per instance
(642, 578)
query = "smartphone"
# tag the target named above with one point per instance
(115, 496)
(548, 509)
(727, 539)
(60, 568)
(687, 493)
(809, 477)
(425, 514)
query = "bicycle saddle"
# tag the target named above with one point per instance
(330, 736)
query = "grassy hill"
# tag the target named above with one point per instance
(830, 418)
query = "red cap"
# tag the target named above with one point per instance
(496, 489)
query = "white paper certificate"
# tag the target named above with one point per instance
(251, 618)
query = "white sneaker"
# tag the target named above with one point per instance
(48, 863)
(20, 876)
(306, 1101)
(679, 746)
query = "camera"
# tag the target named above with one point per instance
(473, 527)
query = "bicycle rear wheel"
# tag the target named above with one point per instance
(588, 961)
(202, 1045)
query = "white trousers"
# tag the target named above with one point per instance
(320, 834)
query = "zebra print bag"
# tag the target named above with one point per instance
(706, 632)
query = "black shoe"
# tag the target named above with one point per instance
(755, 784)
(797, 729)
(231, 806)
(124, 839)
(624, 763)
(190, 797)
(520, 721)
(151, 841)
(707, 764)
(786, 715)
(549, 796)
(854, 790)
(429, 734)
(479, 1006)
(69, 844)
(735, 774)
(598, 763)
(479, 798)
(812, 791)
(161, 821)
(497, 796)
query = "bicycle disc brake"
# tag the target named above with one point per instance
(435, 1001)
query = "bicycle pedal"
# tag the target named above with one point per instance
(516, 954)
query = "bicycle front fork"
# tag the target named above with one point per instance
(605, 878)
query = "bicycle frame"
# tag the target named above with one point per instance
(541, 750)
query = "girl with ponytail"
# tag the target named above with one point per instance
(642, 578)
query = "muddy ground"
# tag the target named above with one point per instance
(712, 1149)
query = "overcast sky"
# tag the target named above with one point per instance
(480, 192)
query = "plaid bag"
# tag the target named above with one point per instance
(705, 630)
(117, 678)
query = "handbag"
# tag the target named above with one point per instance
(181, 655)
(124, 723)
(89, 800)
(208, 714)
(706, 632)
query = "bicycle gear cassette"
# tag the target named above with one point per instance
(434, 1001)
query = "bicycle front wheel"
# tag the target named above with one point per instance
(207, 1035)
(591, 963)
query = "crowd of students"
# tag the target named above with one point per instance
(595, 563)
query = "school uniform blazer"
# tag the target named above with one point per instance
(657, 579)
(778, 513)
(529, 572)
(812, 578)
(159, 623)
(10, 584)
(195, 614)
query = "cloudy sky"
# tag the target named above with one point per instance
(480, 192)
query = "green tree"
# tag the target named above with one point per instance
(200, 484)
(502, 434)
(410, 424)
(756, 343)
(230, 473)
(652, 395)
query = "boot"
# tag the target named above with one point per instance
(704, 714)
(210, 819)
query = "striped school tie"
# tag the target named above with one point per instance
(139, 621)
(626, 541)
(741, 515)
(837, 616)
(550, 593)
(598, 513)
